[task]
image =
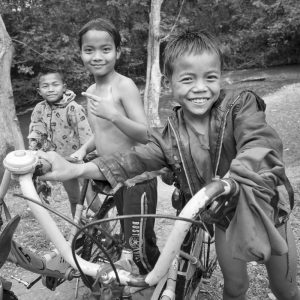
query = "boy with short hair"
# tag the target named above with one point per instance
(212, 134)
(118, 121)
(58, 123)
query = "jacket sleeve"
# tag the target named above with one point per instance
(79, 122)
(251, 233)
(258, 169)
(37, 123)
(250, 126)
(252, 132)
(119, 167)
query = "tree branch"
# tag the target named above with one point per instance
(35, 51)
(175, 23)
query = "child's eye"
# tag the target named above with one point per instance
(212, 77)
(186, 79)
(106, 50)
(88, 50)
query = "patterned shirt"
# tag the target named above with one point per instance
(61, 126)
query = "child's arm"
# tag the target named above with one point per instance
(37, 128)
(134, 123)
(62, 170)
(80, 124)
(115, 169)
(254, 136)
(36, 118)
(85, 149)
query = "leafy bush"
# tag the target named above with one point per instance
(253, 33)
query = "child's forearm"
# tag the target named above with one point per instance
(89, 171)
(133, 129)
(89, 145)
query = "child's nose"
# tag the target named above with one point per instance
(199, 86)
(97, 55)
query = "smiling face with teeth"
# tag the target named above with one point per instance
(196, 83)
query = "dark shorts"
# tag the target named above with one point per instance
(139, 233)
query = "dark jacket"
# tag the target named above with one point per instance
(237, 129)
(237, 123)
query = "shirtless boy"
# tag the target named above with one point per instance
(118, 122)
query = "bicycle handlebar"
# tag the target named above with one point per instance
(24, 168)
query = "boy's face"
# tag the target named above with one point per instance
(98, 52)
(195, 82)
(51, 87)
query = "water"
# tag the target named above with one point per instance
(262, 81)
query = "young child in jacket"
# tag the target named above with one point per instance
(119, 123)
(58, 123)
(212, 134)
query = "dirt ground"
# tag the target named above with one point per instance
(283, 114)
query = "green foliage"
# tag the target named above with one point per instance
(253, 33)
(260, 33)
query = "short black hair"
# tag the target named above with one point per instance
(45, 70)
(189, 41)
(101, 25)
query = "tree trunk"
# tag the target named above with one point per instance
(153, 79)
(10, 133)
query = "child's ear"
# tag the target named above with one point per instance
(38, 91)
(64, 87)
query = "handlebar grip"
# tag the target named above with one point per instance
(42, 167)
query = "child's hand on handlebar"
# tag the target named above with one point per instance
(61, 169)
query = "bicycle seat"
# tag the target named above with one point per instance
(6, 238)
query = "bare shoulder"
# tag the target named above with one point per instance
(124, 82)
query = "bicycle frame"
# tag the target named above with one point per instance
(22, 163)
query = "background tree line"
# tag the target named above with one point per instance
(253, 33)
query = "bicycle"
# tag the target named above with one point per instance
(112, 275)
